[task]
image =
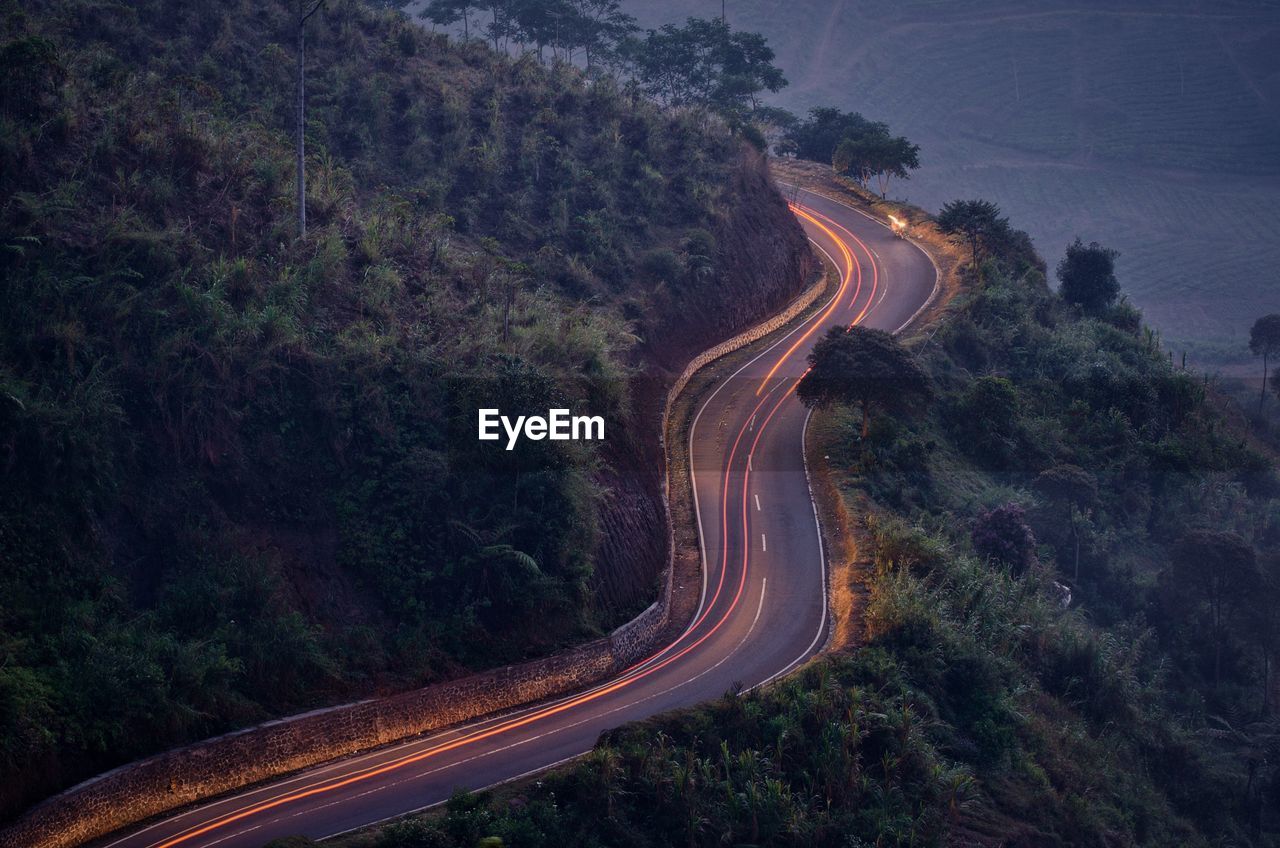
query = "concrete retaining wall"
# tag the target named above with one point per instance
(159, 784)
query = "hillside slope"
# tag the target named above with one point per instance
(240, 473)
(1035, 659)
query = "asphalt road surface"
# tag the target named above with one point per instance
(763, 604)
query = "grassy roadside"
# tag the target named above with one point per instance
(844, 533)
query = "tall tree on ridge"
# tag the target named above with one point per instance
(446, 12)
(975, 222)
(1264, 341)
(306, 8)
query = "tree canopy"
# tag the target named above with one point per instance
(1000, 535)
(855, 147)
(1088, 276)
(817, 137)
(878, 155)
(1264, 336)
(592, 28)
(976, 223)
(705, 63)
(1216, 568)
(867, 367)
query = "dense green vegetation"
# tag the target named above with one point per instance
(1070, 627)
(870, 368)
(1066, 450)
(239, 472)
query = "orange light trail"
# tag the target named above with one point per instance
(853, 269)
(626, 679)
(639, 670)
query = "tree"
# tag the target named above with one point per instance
(602, 27)
(1264, 341)
(977, 223)
(1220, 569)
(876, 154)
(448, 12)
(746, 71)
(1073, 490)
(988, 420)
(306, 8)
(1088, 276)
(867, 367)
(705, 63)
(1263, 625)
(817, 137)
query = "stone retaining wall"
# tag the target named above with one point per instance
(748, 336)
(165, 782)
(147, 788)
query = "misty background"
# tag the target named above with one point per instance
(1153, 128)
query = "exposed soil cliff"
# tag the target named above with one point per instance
(766, 261)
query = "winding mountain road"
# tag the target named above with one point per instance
(763, 605)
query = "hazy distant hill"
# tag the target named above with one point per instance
(1153, 127)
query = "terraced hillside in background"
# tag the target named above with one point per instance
(1152, 127)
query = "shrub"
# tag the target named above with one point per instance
(1001, 535)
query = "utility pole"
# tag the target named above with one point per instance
(304, 14)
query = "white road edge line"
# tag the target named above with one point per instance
(701, 602)
(937, 272)
(937, 285)
(764, 585)
(693, 476)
